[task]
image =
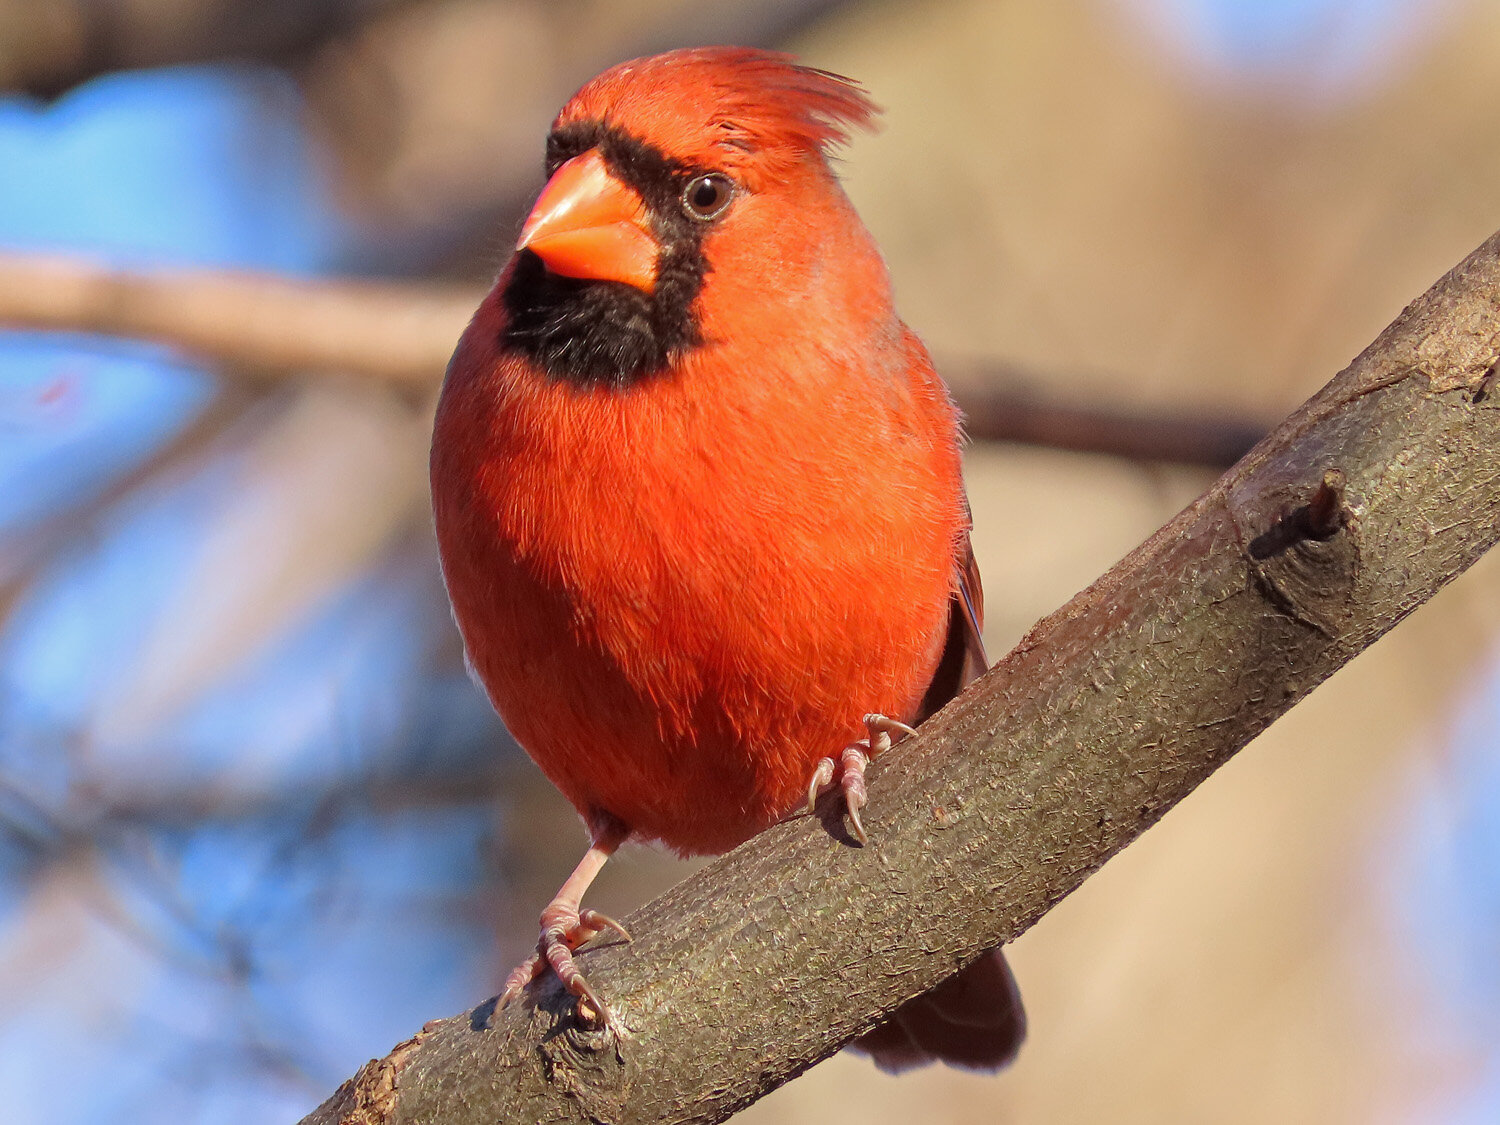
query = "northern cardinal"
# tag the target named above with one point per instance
(698, 493)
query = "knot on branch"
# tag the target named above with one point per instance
(1300, 559)
(1320, 519)
(589, 1067)
(1484, 392)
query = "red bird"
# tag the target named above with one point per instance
(698, 492)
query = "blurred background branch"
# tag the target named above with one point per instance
(257, 324)
(402, 335)
(55, 46)
(50, 48)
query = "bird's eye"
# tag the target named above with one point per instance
(706, 197)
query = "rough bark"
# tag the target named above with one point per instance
(1357, 509)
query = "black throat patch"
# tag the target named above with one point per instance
(607, 332)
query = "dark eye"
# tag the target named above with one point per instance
(706, 197)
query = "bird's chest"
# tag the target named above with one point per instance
(675, 621)
(675, 570)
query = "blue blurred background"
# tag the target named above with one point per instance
(205, 766)
(255, 824)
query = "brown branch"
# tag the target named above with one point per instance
(385, 116)
(1000, 403)
(65, 42)
(259, 323)
(1383, 487)
(403, 334)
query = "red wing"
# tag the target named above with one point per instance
(975, 1019)
(971, 595)
(963, 658)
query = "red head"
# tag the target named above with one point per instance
(685, 189)
(754, 112)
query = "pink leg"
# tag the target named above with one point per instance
(565, 927)
(850, 769)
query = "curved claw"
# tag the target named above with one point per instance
(850, 769)
(822, 777)
(876, 723)
(591, 1010)
(856, 826)
(521, 976)
(597, 922)
(852, 782)
(565, 930)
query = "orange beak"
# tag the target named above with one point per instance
(587, 224)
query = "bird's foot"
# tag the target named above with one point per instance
(565, 928)
(850, 769)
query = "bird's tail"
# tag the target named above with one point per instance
(973, 1020)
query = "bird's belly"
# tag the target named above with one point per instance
(695, 724)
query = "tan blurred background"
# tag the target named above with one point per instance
(1064, 187)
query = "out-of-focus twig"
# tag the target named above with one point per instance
(58, 44)
(402, 334)
(1003, 403)
(434, 114)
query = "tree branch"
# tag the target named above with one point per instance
(59, 44)
(1354, 511)
(253, 322)
(1000, 403)
(268, 326)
